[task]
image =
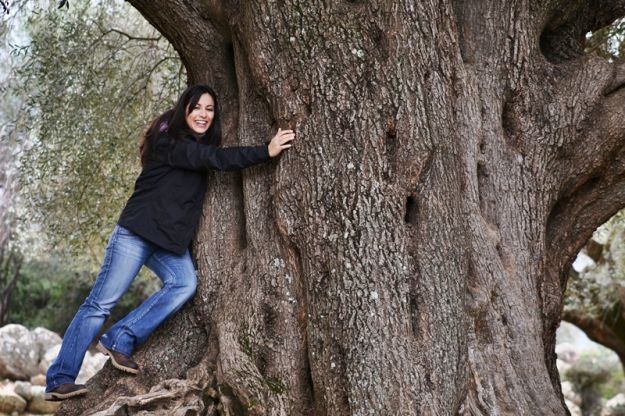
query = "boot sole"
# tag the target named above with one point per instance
(57, 397)
(106, 352)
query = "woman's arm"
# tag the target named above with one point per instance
(195, 156)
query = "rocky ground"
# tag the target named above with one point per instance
(26, 354)
(24, 359)
(584, 366)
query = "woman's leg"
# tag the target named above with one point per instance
(179, 283)
(125, 254)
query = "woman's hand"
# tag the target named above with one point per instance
(281, 141)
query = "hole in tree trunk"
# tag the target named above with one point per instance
(411, 210)
(240, 201)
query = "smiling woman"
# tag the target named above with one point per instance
(155, 229)
(200, 117)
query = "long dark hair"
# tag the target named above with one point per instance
(174, 121)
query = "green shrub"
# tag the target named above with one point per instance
(589, 371)
(50, 291)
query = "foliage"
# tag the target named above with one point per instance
(92, 78)
(596, 289)
(77, 91)
(11, 261)
(608, 41)
(597, 377)
(43, 297)
(613, 385)
(589, 371)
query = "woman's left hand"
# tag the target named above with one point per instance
(282, 140)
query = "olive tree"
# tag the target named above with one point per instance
(409, 255)
(89, 79)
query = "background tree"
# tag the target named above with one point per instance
(11, 262)
(595, 296)
(409, 255)
(608, 41)
(11, 257)
(102, 72)
(113, 73)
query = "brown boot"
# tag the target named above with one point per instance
(119, 360)
(65, 391)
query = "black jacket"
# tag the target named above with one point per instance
(167, 202)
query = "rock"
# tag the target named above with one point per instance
(24, 389)
(38, 380)
(562, 366)
(90, 366)
(48, 358)
(573, 408)
(615, 406)
(11, 401)
(569, 393)
(45, 339)
(38, 403)
(567, 352)
(19, 355)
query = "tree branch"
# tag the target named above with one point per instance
(131, 37)
(597, 331)
(594, 186)
(205, 40)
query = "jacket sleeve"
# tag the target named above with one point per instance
(195, 156)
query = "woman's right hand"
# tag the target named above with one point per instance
(282, 140)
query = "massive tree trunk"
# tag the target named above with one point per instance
(409, 254)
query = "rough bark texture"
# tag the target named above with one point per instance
(409, 254)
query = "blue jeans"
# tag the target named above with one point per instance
(125, 254)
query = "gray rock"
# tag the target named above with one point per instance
(48, 358)
(11, 401)
(19, 355)
(45, 339)
(615, 406)
(38, 380)
(569, 393)
(573, 408)
(567, 352)
(38, 403)
(24, 389)
(90, 366)
(563, 366)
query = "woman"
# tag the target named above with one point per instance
(155, 228)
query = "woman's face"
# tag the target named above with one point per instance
(201, 116)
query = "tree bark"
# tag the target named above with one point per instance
(409, 254)
(10, 266)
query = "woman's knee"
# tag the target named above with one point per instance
(186, 286)
(191, 286)
(95, 307)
